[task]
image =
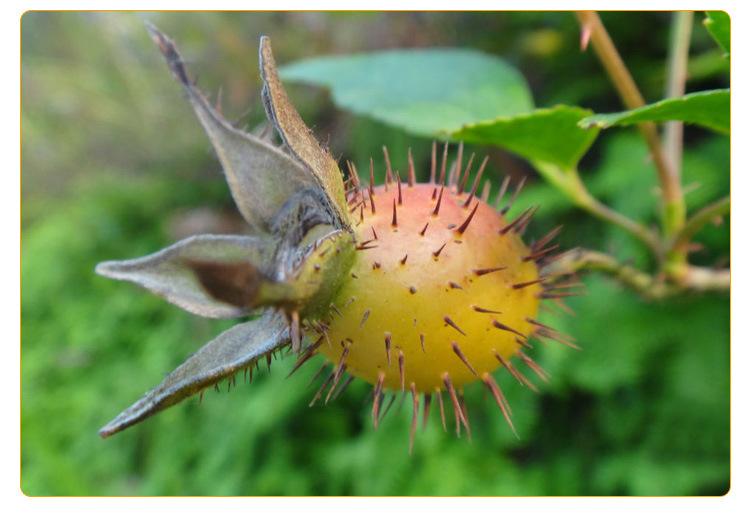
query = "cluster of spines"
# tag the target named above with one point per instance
(456, 179)
(247, 373)
(540, 252)
(336, 383)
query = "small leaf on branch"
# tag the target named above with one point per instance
(550, 135)
(718, 23)
(709, 109)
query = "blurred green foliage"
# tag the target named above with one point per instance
(423, 91)
(114, 166)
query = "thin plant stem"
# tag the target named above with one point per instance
(582, 259)
(640, 231)
(697, 221)
(673, 209)
(679, 47)
(696, 278)
(569, 181)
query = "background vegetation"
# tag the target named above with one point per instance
(115, 166)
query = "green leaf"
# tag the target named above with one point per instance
(707, 108)
(551, 135)
(422, 91)
(717, 23)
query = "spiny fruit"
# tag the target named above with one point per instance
(439, 289)
(442, 291)
(418, 288)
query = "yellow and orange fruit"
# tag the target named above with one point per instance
(442, 292)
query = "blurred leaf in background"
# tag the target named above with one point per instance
(423, 91)
(114, 166)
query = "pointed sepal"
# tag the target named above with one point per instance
(298, 137)
(260, 176)
(230, 352)
(191, 273)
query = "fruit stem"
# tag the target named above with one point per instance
(650, 287)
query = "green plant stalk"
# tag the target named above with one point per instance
(673, 208)
(569, 182)
(707, 279)
(679, 47)
(707, 214)
(579, 259)
(651, 288)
